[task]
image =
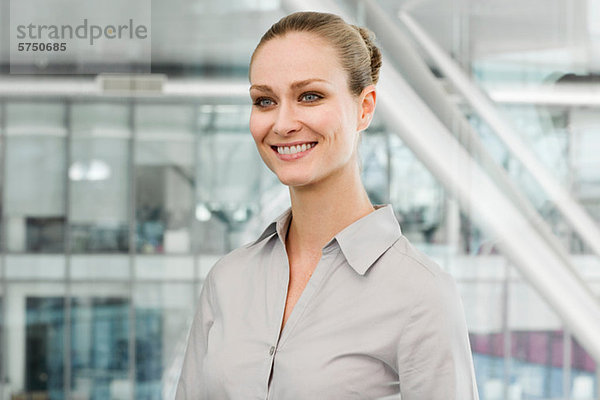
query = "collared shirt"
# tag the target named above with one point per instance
(376, 318)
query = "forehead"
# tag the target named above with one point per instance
(296, 56)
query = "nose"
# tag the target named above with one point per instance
(286, 121)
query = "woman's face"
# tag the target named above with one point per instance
(304, 120)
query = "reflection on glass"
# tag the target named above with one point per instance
(537, 364)
(374, 162)
(231, 178)
(2, 189)
(164, 188)
(148, 353)
(484, 307)
(34, 209)
(2, 330)
(417, 197)
(35, 169)
(162, 316)
(200, 185)
(99, 178)
(584, 377)
(99, 348)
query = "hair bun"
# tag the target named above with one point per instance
(374, 52)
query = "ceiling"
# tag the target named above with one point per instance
(224, 32)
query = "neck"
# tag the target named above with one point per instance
(325, 208)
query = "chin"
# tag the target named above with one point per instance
(294, 180)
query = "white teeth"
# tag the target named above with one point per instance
(294, 149)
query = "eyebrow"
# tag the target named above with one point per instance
(295, 85)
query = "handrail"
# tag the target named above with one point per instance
(579, 219)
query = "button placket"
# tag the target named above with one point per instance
(282, 298)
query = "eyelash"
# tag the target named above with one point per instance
(260, 99)
(317, 96)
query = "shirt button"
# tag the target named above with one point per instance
(272, 350)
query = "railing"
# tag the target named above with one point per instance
(580, 220)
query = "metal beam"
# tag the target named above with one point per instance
(579, 219)
(19, 87)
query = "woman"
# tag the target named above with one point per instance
(331, 301)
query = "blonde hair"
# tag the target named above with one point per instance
(359, 56)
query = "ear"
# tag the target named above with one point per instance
(366, 107)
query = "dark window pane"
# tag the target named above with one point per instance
(44, 346)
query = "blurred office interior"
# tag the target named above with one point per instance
(119, 192)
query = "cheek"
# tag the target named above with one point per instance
(334, 125)
(259, 126)
(324, 121)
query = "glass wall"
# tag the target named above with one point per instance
(98, 174)
(114, 208)
(107, 315)
(102, 313)
(35, 168)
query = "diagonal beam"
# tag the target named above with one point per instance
(579, 219)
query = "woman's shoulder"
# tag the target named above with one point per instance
(414, 258)
(234, 263)
(412, 265)
(420, 281)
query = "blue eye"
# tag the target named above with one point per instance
(263, 102)
(310, 97)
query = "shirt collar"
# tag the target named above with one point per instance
(278, 225)
(365, 240)
(362, 242)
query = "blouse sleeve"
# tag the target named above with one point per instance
(434, 355)
(190, 384)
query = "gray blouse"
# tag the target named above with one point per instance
(377, 318)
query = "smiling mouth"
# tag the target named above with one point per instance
(294, 149)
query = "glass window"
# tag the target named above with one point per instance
(231, 179)
(484, 308)
(374, 163)
(164, 178)
(34, 196)
(100, 347)
(2, 342)
(44, 346)
(584, 374)
(2, 174)
(417, 197)
(536, 341)
(99, 178)
(163, 314)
